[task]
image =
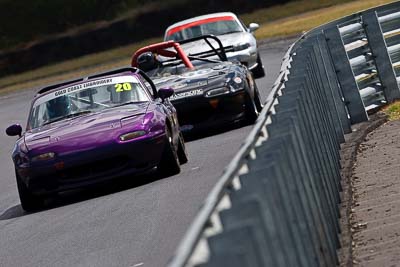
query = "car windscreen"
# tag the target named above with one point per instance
(215, 26)
(86, 97)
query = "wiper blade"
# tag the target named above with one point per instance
(230, 32)
(68, 116)
(78, 113)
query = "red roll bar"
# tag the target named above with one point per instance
(161, 49)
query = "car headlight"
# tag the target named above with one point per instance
(218, 91)
(241, 46)
(132, 135)
(235, 84)
(44, 156)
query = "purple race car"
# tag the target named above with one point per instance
(92, 129)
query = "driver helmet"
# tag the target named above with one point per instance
(58, 107)
(147, 61)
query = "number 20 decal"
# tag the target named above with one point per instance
(120, 87)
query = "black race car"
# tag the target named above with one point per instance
(209, 89)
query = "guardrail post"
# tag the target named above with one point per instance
(322, 163)
(252, 202)
(381, 56)
(295, 219)
(345, 75)
(224, 259)
(249, 211)
(334, 85)
(320, 79)
(240, 241)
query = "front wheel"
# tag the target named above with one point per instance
(29, 201)
(251, 111)
(169, 163)
(259, 71)
(257, 98)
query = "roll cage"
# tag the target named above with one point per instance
(164, 49)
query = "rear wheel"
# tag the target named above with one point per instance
(259, 71)
(29, 201)
(169, 164)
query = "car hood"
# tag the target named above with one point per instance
(84, 131)
(207, 76)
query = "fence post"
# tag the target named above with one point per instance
(334, 85)
(381, 56)
(350, 90)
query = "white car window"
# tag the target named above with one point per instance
(215, 27)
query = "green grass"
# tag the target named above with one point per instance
(393, 111)
(72, 68)
(49, 17)
(311, 19)
(291, 18)
(287, 10)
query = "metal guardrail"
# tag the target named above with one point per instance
(277, 202)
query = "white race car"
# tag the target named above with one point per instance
(238, 39)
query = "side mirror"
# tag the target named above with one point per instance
(164, 93)
(14, 130)
(253, 27)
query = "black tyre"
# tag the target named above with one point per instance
(29, 201)
(169, 164)
(257, 99)
(259, 71)
(182, 154)
(250, 110)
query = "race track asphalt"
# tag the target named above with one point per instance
(131, 222)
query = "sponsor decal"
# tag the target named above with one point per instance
(187, 94)
(194, 74)
(121, 83)
(237, 80)
(120, 87)
(178, 86)
(202, 83)
(190, 84)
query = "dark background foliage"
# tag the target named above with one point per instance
(34, 33)
(25, 20)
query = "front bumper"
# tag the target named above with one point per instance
(90, 167)
(200, 112)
